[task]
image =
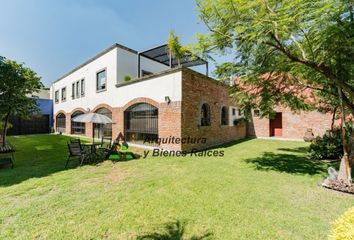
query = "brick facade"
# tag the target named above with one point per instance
(198, 89)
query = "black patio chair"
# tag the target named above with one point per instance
(75, 140)
(76, 151)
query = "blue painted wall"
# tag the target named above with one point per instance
(46, 107)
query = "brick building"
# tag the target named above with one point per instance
(177, 107)
(289, 124)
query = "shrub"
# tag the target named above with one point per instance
(343, 227)
(327, 147)
(330, 145)
(127, 78)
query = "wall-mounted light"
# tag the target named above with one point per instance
(167, 99)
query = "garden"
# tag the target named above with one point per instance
(266, 192)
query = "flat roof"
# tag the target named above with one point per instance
(116, 45)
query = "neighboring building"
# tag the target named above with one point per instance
(182, 108)
(289, 124)
(286, 123)
(38, 123)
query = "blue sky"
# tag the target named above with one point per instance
(52, 37)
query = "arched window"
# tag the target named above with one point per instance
(103, 130)
(60, 122)
(205, 115)
(141, 123)
(224, 118)
(77, 127)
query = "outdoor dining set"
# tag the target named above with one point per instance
(95, 152)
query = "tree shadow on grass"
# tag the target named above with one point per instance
(230, 144)
(295, 150)
(173, 231)
(37, 156)
(294, 164)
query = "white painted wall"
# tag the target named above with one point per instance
(88, 72)
(232, 116)
(118, 63)
(156, 89)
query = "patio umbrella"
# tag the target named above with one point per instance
(92, 118)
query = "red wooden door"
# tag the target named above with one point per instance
(276, 126)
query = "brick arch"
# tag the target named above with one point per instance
(59, 112)
(103, 105)
(77, 109)
(141, 100)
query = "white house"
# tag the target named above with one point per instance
(161, 100)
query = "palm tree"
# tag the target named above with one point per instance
(176, 50)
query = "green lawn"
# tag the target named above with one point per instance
(260, 189)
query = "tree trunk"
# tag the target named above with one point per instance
(345, 170)
(345, 167)
(333, 118)
(4, 131)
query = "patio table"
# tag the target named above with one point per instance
(93, 150)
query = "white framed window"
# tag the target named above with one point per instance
(77, 89)
(63, 94)
(101, 80)
(82, 87)
(56, 96)
(73, 91)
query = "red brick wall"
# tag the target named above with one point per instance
(170, 124)
(197, 89)
(295, 124)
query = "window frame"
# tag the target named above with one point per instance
(105, 82)
(63, 96)
(82, 85)
(205, 121)
(56, 96)
(77, 89)
(77, 128)
(73, 90)
(224, 120)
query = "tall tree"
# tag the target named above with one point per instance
(304, 44)
(17, 83)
